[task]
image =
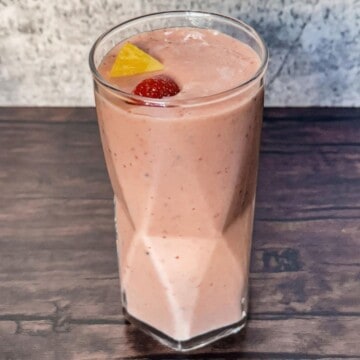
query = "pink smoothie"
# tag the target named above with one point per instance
(184, 179)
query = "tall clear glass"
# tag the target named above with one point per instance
(184, 178)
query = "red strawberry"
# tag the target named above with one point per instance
(157, 87)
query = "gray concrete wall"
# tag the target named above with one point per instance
(314, 46)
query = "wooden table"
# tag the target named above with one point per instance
(59, 292)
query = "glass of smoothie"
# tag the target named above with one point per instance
(179, 98)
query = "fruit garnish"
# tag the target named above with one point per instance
(131, 60)
(157, 87)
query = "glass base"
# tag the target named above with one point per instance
(191, 344)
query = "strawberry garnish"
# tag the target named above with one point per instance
(157, 87)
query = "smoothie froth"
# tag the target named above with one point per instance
(202, 62)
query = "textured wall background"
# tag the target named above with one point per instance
(314, 46)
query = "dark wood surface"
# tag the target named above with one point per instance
(59, 292)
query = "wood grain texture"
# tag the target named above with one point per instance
(59, 293)
(104, 341)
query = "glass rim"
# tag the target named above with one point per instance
(169, 101)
